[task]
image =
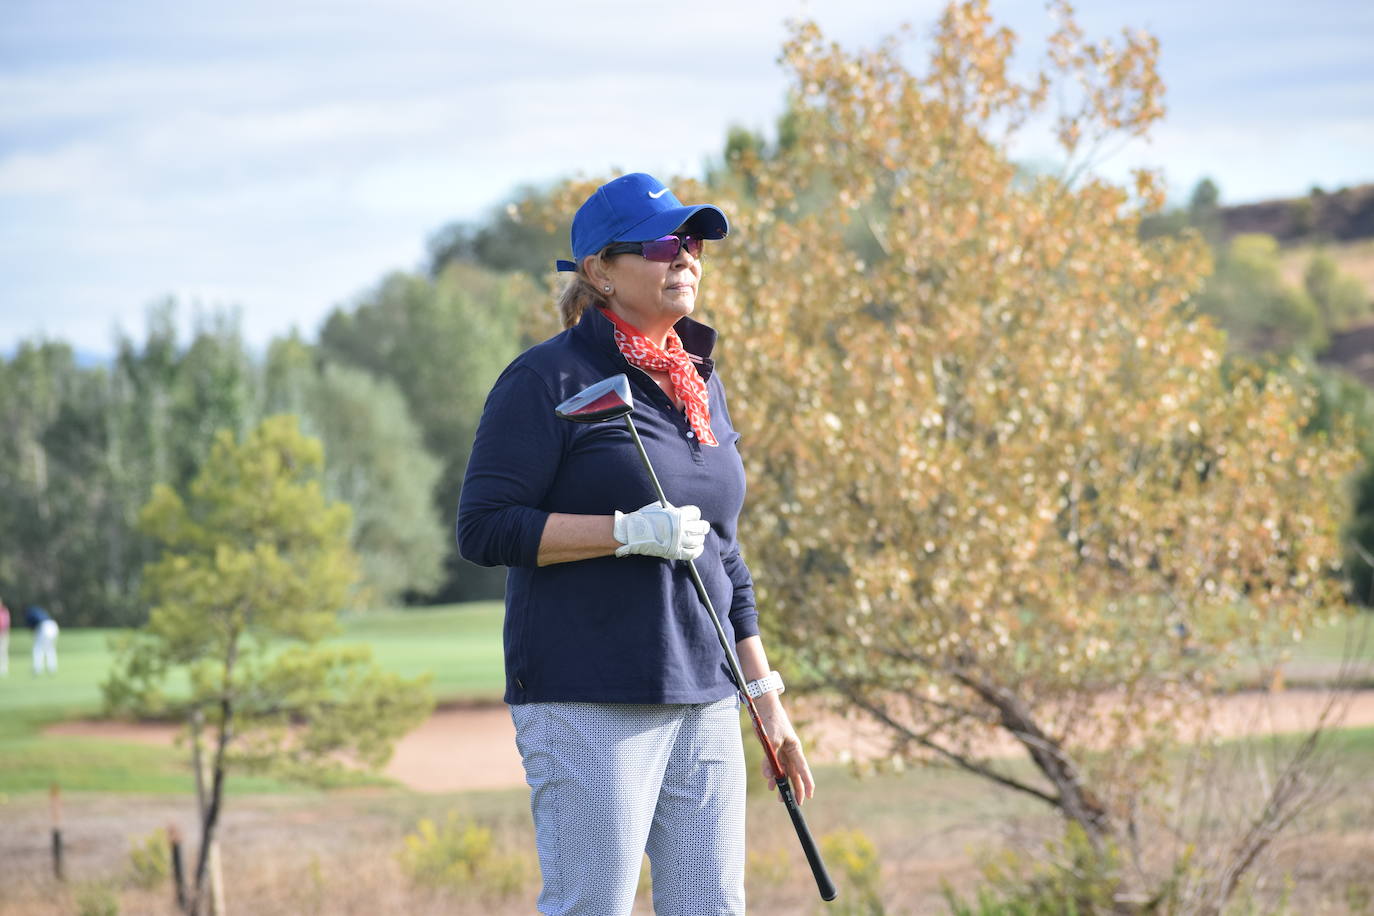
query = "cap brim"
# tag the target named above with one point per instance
(706, 221)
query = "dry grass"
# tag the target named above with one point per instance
(337, 853)
(281, 855)
(1355, 258)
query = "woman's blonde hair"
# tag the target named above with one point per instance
(580, 293)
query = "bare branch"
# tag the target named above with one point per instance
(963, 761)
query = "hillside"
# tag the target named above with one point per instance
(1339, 224)
(1343, 215)
(1353, 350)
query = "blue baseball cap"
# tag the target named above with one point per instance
(636, 208)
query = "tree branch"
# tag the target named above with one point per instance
(961, 760)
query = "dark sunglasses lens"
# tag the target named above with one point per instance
(664, 249)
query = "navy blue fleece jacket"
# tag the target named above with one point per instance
(609, 629)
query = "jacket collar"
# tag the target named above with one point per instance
(698, 339)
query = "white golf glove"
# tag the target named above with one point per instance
(674, 533)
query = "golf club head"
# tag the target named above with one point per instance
(608, 399)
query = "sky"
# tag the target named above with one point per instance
(279, 159)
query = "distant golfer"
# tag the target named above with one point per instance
(624, 709)
(44, 639)
(4, 639)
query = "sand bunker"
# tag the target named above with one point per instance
(473, 747)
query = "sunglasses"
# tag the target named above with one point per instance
(665, 249)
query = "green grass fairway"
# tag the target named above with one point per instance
(460, 645)
(83, 659)
(1353, 635)
(33, 762)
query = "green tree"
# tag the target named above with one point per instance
(31, 396)
(503, 242)
(442, 341)
(376, 461)
(148, 418)
(181, 394)
(86, 445)
(1360, 560)
(1340, 298)
(1303, 213)
(255, 566)
(1344, 400)
(1204, 211)
(61, 516)
(1248, 298)
(1012, 471)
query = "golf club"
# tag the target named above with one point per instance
(606, 400)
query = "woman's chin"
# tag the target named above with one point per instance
(679, 304)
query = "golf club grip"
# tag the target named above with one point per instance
(808, 843)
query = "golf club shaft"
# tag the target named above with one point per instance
(784, 785)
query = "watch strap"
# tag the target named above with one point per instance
(756, 689)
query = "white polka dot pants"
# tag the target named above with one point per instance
(610, 782)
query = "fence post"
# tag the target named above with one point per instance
(178, 873)
(55, 804)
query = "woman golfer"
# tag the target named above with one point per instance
(625, 712)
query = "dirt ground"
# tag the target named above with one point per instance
(473, 747)
(338, 852)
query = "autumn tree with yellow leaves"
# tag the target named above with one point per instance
(1002, 483)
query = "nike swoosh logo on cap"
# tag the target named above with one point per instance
(657, 194)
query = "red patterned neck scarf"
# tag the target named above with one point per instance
(640, 351)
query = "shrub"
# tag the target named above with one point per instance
(1072, 879)
(462, 855)
(149, 860)
(96, 900)
(853, 858)
(767, 868)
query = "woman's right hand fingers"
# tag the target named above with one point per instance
(670, 532)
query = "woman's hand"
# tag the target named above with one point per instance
(655, 530)
(674, 533)
(778, 727)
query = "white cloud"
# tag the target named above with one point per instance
(284, 158)
(71, 169)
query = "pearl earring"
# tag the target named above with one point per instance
(607, 288)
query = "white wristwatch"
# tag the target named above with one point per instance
(758, 688)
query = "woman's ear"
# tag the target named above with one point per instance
(595, 269)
